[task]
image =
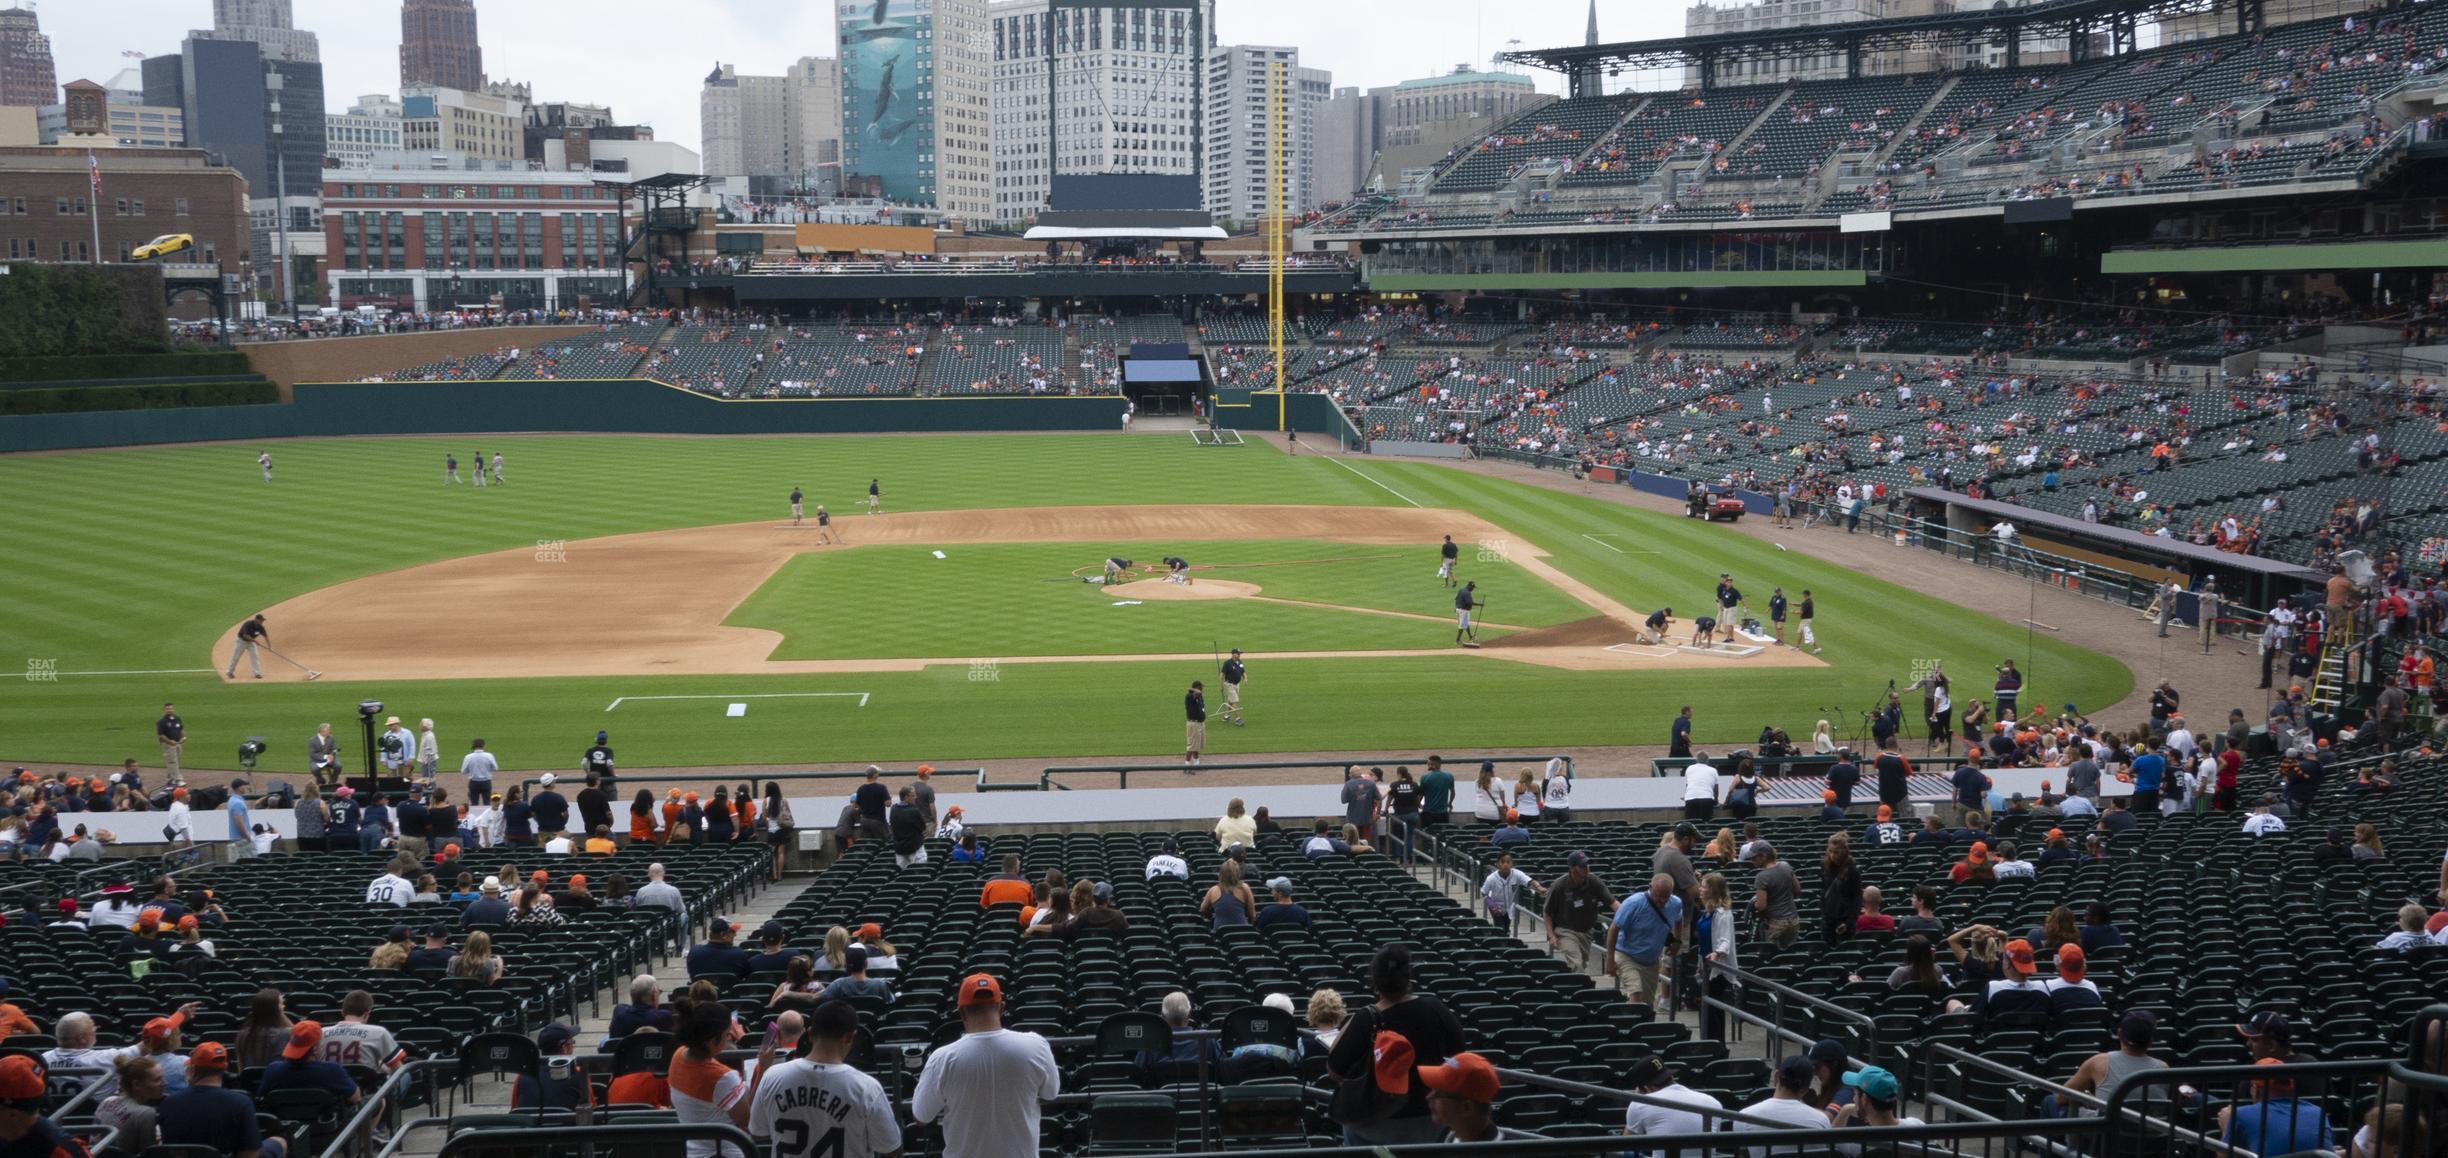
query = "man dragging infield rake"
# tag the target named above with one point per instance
(1464, 601)
(251, 635)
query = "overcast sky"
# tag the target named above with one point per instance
(647, 58)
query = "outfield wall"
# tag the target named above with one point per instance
(322, 410)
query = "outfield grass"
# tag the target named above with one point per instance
(137, 560)
(1022, 599)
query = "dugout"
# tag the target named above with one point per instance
(2248, 579)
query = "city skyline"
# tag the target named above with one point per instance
(536, 41)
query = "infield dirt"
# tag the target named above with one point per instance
(654, 603)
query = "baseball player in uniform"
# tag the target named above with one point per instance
(1177, 569)
(480, 479)
(1234, 672)
(875, 496)
(824, 523)
(264, 461)
(795, 497)
(1464, 600)
(497, 479)
(1445, 560)
(1115, 566)
(1194, 731)
(251, 635)
(450, 469)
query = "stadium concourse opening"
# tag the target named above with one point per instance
(657, 603)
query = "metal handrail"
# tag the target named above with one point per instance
(1780, 994)
(1122, 771)
(1584, 1089)
(727, 1138)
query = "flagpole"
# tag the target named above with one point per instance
(93, 166)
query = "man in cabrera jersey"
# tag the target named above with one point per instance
(819, 1104)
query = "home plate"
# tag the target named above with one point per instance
(1722, 649)
(736, 710)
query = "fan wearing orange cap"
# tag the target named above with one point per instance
(2017, 992)
(988, 1085)
(300, 1067)
(23, 1129)
(2071, 989)
(1462, 1097)
(159, 1040)
(1974, 868)
(1884, 829)
(145, 940)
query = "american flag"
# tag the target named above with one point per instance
(93, 167)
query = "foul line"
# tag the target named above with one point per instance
(1601, 537)
(1380, 486)
(161, 671)
(862, 697)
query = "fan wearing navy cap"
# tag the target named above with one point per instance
(1789, 1103)
(206, 1113)
(1652, 1078)
(559, 1082)
(717, 954)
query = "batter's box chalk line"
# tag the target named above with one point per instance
(861, 697)
(1723, 649)
(1641, 650)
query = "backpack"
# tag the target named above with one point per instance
(1744, 794)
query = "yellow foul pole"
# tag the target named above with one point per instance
(1275, 233)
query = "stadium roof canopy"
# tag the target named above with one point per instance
(2049, 18)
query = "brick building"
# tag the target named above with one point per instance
(146, 193)
(436, 239)
(438, 46)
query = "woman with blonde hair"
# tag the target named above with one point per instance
(2367, 845)
(391, 954)
(1490, 807)
(1721, 848)
(136, 1109)
(1326, 1016)
(836, 947)
(1236, 827)
(1228, 900)
(1823, 740)
(475, 959)
(1526, 798)
(1717, 932)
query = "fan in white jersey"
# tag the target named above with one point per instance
(817, 1105)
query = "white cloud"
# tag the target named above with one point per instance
(647, 58)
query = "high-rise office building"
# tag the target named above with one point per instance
(270, 25)
(814, 137)
(438, 46)
(26, 75)
(744, 124)
(1093, 91)
(1240, 130)
(917, 111)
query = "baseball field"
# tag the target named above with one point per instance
(656, 588)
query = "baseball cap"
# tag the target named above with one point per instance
(399, 932)
(854, 958)
(207, 1055)
(2267, 1023)
(2070, 962)
(1886, 812)
(149, 919)
(344, 790)
(980, 989)
(871, 929)
(160, 1028)
(2138, 1028)
(68, 906)
(2056, 834)
(772, 930)
(437, 929)
(21, 1079)
(1827, 796)
(548, 780)
(1827, 1051)
(2279, 1087)
(1279, 884)
(2018, 955)
(1796, 1072)
(1874, 1082)
(1464, 1075)
(601, 737)
(1512, 815)
(1103, 891)
(577, 880)
(1755, 849)
(1577, 859)
(1686, 830)
(1393, 1064)
(1649, 1071)
(303, 1038)
(2438, 921)
(1979, 853)
(554, 1036)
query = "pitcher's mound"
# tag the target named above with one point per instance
(1157, 590)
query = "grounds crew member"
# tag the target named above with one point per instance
(1447, 554)
(252, 635)
(1464, 601)
(1234, 672)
